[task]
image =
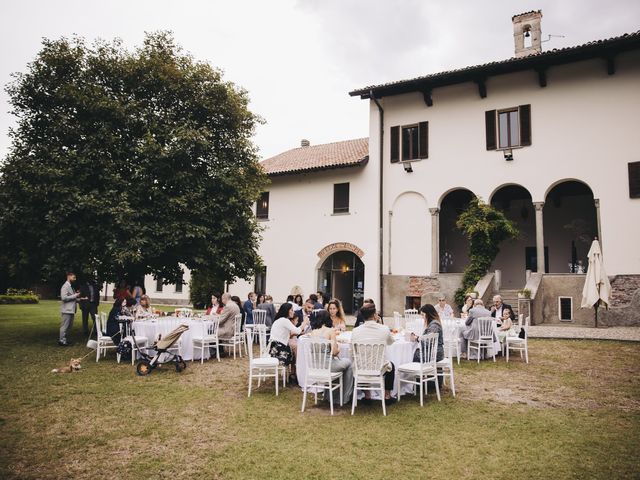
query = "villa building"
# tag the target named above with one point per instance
(550, 138)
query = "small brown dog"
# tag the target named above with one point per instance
(74, 366)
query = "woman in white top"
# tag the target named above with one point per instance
(321, 326)
(443, 308)
(334, 307)
(282, 329)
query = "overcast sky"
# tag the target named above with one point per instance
(299, 59)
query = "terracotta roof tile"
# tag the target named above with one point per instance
(348, 153)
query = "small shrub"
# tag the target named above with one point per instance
(20, 292)
(18, 299)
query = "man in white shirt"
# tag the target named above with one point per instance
(373, 332)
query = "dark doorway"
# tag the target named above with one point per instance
(341, 276)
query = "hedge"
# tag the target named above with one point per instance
(17, 299)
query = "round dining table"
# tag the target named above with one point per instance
(152, 327)
(401, 351)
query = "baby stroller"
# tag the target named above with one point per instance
(161, 346)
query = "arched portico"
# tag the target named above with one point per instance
(516, 256)
(570, 225)
(453, 246)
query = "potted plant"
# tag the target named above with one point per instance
(524, 293)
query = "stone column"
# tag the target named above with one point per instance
(435, 240)
(539, 236)
(596, 202)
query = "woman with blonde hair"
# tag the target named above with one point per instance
(336, 312)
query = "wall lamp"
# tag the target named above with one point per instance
(508, 155)
(407, 167)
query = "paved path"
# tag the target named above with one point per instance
(562, 331)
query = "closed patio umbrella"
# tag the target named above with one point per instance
(596, 285)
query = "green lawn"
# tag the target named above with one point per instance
(573, 412)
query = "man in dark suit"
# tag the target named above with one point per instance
(498, 306)
(89, 301)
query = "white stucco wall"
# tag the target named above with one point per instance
(301, 223)
(585, 126)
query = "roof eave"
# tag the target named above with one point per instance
(603, 49)
(359, 163)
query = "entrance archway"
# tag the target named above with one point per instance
(341, 276)
(516, 256)
(454, 246)
(570, 225)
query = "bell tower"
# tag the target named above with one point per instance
(527, 33)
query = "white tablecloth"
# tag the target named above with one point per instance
(398, 353)
(460, 323)
(163, 325)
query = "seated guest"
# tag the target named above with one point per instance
(249, 305)
(322, 327)
(297, 300)
(321, 299)
(227, 318)
(307, 313)
(334, 307)
(238, 302)
(143, 309)
(121, 308)
(506, 329)
(373, 332)
(316, 304)
(443, 308)
(498, 306)
(359, 317)
(433, 325)
(216, 307)
(259, 298)
(282, 330)
(270, 308)
(470, 332)
(468, 305)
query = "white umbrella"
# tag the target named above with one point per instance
(596, 286)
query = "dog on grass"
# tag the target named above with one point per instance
(74, 366)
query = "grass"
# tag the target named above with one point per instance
(573, 412)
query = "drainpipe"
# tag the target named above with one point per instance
(380, 203)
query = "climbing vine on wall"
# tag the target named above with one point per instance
(485, 227)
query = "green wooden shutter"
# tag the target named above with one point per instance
(395, 144)
(423, 134)
(525, 124)
(490, 122)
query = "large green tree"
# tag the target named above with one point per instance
(126, 163)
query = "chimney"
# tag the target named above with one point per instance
(527, 33)
(304, 142)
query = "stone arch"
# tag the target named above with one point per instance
(453, 246)
(518, 255)
(570, 225)
(340, 272)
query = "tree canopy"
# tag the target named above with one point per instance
(125, 163)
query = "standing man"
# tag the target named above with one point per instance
(89, 302)
(68, 308)
(248, 306)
